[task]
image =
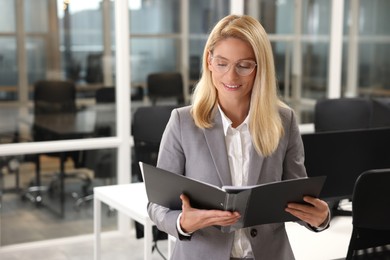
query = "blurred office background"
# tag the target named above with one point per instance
(322, 48)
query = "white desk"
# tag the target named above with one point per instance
(329, 244)
(129, 199)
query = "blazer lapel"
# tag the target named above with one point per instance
(217, 146)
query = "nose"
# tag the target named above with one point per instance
(232, 73)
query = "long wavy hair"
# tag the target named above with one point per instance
(265, 123)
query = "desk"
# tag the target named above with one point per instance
(129, 199)
(329, 244)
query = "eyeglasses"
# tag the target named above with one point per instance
(242, 67)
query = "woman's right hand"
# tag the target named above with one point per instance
(193, 219)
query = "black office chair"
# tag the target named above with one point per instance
(103, 164)
(105, 95)
(52, 97)
(342, 114)
(147, 129)
(165, 85)
(94, 73)
(370, 237)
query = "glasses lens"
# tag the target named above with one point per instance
(220, 65)
(243, 68)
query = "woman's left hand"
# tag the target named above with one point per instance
(315, 214)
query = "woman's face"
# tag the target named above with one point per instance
(233, 70)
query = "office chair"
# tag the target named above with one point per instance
(165, 85)
(101, 162)
(370, 216)
(94, 73)
(105, 95)
(52, 97)
(342, 114)
(147, 129)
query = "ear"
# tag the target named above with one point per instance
(209, 61)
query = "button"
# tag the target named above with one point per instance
(253, 232)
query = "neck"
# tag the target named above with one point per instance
(236, 113)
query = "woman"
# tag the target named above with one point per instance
(237, 132)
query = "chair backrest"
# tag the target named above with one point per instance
(105, 95)
(371, 200)
(380, 112)
(371, 215)
(149, 123)
(54, 96)
(342, 114)
(148, 126)
(164, 85)
(94, 73)
(102, 162)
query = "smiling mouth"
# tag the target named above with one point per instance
(231, 86)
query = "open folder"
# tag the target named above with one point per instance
(259, 204)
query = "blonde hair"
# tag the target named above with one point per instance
(265, 123)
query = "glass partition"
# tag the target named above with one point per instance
(153, 55)
(202, 18)
(155, 43)
(366, 67)
(54, 72)
(8, 69)
(299, 33)
(7, 17)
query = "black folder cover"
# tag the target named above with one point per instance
(259, 204)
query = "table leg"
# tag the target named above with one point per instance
(148, 237)
(97, 227)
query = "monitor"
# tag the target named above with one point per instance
(343, 155)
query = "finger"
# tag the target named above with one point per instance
(222, 214)
(313, 201)
(185, 201)
(223, 221)
(300, 207)
(312, 215)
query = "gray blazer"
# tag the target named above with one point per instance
(201, 154)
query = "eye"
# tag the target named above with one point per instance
(245, 65)
(220, 63)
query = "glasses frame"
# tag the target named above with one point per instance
(237, 69)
